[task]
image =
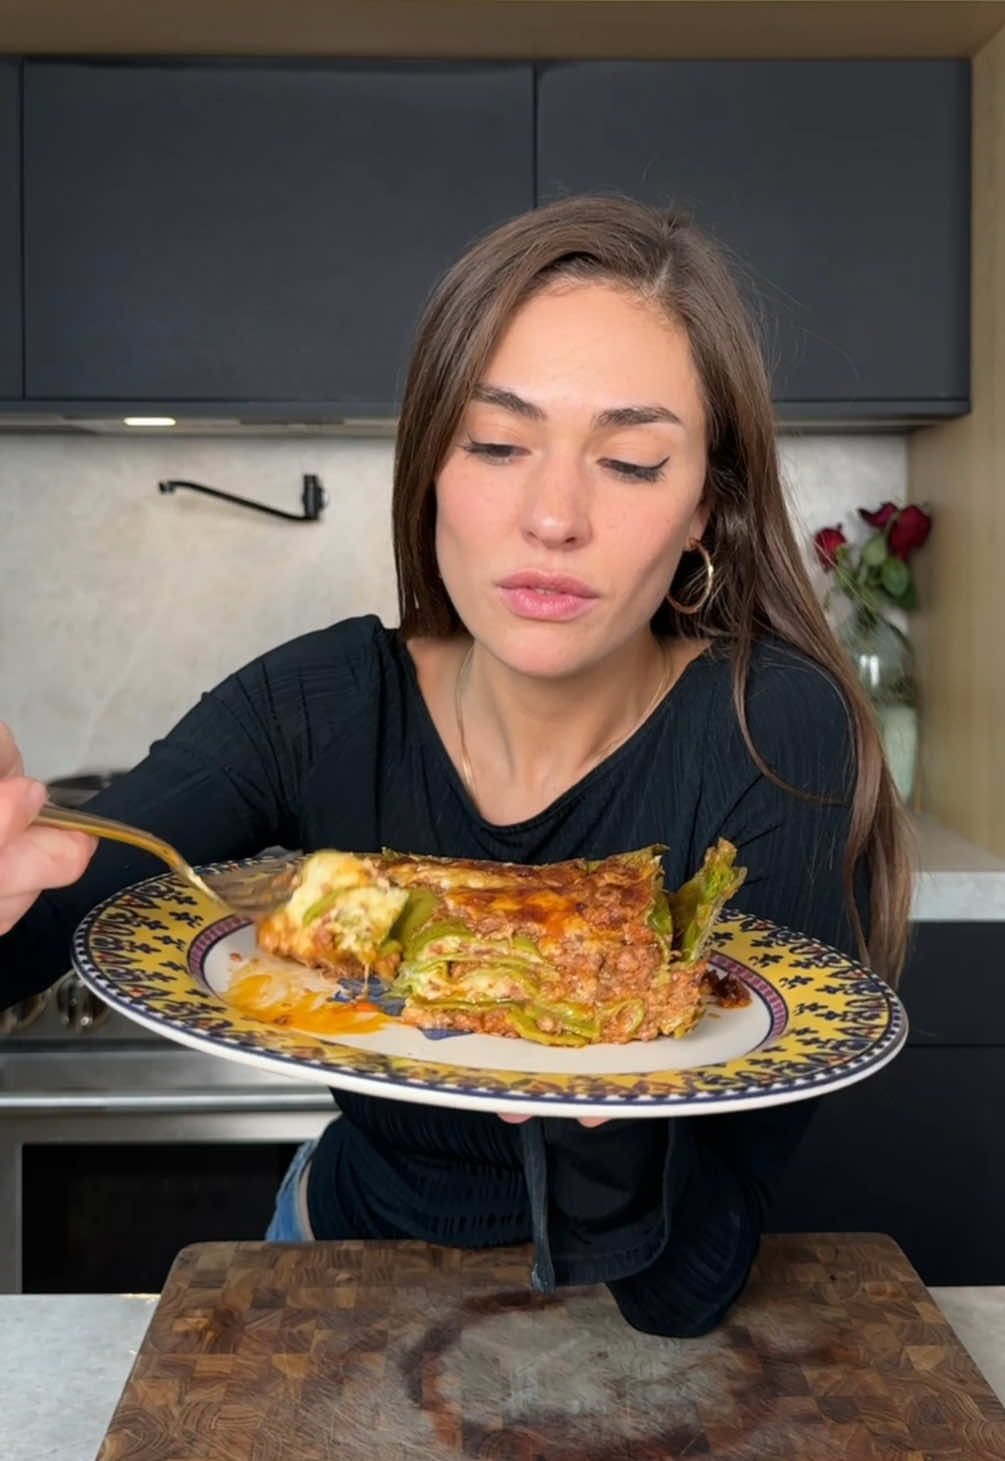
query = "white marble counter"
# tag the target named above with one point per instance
(978, 1316)
(65, 1359)
(958, 880)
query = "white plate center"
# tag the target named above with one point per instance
(722, 1035)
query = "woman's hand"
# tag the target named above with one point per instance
(31, 858)
(583, 1120)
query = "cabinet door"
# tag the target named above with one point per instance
(10, 231)
(842, 188)
(250, 232)
(946, 1007)
(916, 1151)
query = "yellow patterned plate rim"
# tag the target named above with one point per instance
(822, 1022)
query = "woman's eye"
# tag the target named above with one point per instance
(493, 451)
(635, 471)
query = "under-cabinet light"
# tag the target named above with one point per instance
(149, 421)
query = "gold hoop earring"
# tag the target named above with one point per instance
(695, 545)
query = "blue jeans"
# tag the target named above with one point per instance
(287, 1225)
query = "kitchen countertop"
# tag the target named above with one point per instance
(958, 881)
(65, 1359)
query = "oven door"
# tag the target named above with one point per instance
(112, 1160)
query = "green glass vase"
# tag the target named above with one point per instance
(884, 662)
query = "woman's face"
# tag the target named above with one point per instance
(574, 482)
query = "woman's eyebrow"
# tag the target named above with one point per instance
(615, 416)
(509, 401)
(636, 416)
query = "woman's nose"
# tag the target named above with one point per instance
(556, 509)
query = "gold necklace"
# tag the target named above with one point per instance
(460, 684)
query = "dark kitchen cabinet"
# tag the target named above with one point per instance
(841, 187)
(251, 232)
(918, 1150)
(10, 230)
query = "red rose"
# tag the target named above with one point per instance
(909, 531)
(826, 542)
(880, 517)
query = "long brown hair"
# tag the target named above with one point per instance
(761, 586)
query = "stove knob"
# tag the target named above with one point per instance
(78, 1008)
(19, 1016)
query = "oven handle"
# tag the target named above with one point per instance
(159, 1103)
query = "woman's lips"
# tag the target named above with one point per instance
(546, 596)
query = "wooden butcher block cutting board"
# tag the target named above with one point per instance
(403, 1352)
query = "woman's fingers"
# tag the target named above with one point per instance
(10, 757)
(20, 802)
(32, 858)
(43, 857)
(583, 1120)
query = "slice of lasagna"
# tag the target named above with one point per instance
(566, 953)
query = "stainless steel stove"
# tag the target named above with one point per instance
(100, 1116)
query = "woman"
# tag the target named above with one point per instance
(606, 640)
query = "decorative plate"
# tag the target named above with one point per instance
(161, 953)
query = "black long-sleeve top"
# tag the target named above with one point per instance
(327, 742)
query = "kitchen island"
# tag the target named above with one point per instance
(65, 1359)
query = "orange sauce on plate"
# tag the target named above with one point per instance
(279, 1002)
